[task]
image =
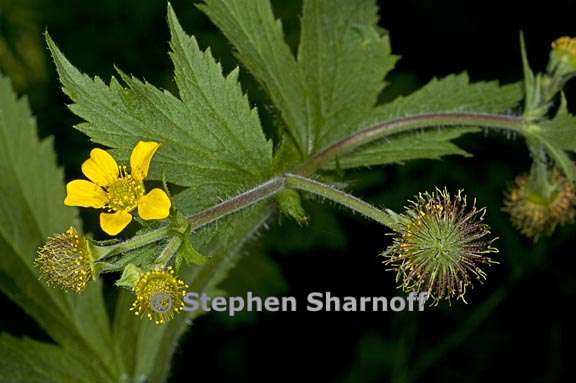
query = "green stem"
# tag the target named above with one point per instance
(249, 198)
(276, 185)
(297, 181)
(169, 250)
(196, 221)
(104, 253)
(539, 171)
(239, 202)
(384, 217)
(405, 124)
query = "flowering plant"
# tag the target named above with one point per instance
(219, 178)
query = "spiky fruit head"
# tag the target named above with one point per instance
(536, 214)
(65, 261)
(440, 245)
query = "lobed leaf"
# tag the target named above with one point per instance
(559, 139)
(211, 137)
(431, 144)
(31, 209)
(222, 243)
(344, 58)
(257, 35)
(453, 93)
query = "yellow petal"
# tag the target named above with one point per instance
(114, 223)
(154, 205)
(85, 194)
(100, 168)
(140, 158)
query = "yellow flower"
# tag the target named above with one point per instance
(116, 191)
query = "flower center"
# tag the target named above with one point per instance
(158, 295)
(124, 193)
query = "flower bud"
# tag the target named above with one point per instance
(66, 261)
(158, 295)
(440, 245)
(290, 203)
(563, 57)
(535, 214)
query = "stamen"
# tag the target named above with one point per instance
(124, 193)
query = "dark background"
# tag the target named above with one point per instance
(517, 327)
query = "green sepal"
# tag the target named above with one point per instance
(130, 275)
(190, 255)
(186, 252)
(290, 204)
(141, 257)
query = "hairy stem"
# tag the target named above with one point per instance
(311, 186)
(298, 181)
(405, 124)
(277, 184)
(239, 202)
(104, 253)
(169, 250)
(366, 136)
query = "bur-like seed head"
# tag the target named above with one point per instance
(534, 214)
(158, 295)
(65, 261)
(440, 245)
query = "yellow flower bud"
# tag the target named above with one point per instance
(563, 56)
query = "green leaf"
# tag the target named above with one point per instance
(211, 137)
(221, 243)
(212, 143)
(146, 348)
(530, 88)
(31, 209)
(432, 144)
(28, 361)
(559, 138)
(561, 158)
(137, 340)
(560, 131)
(344, 58)
(453, 93)
(258, 37)
(189, 254)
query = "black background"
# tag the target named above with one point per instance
(527, 335)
